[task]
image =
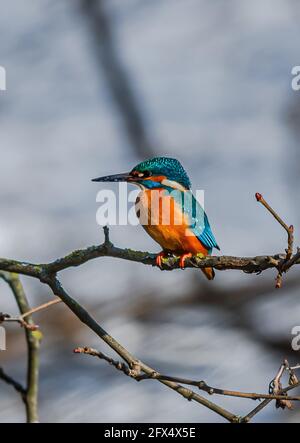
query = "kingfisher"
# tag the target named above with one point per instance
(168, 210)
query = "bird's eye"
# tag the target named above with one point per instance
(141, 174)
(147, 174)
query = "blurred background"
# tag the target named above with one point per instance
(94, 87)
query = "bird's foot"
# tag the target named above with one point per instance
(182, 259)
(159, 258)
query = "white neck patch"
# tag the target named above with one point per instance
(173, 184)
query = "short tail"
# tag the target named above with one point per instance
(209, 273)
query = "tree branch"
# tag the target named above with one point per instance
(202, 385)
(10, 381)
(20, 318)
(30, 395)
(8, 318)
(47, 273)
(136, 366)
(247, 264)
(117, 77)
(275, 386)
(258, 264)
(289, 261)
(86, 318)
(288, 229)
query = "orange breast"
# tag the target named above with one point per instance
(164, 221)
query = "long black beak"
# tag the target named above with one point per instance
(114, 178)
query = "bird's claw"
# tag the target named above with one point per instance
(182, 259)
(159, 258)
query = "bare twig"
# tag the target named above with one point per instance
(202, 385)
(288, 229)
(41, 307)
(33, 343)
(275, 387)
(120, 366)
(289, 263)
(135, 366)
(20, 318)
(284, 265)
(275, 384)
(10, 381)
(212, 390)
(8, 318)
(295, 367)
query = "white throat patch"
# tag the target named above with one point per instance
(173, 184)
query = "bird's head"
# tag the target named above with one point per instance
(158, 172)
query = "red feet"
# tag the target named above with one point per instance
(159, 258)
(183, 257)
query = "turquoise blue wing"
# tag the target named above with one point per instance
(201, 227)
(199, 223)
(206, 237)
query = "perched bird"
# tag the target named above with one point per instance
(168, 211)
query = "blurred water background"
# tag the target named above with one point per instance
(93, 87)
